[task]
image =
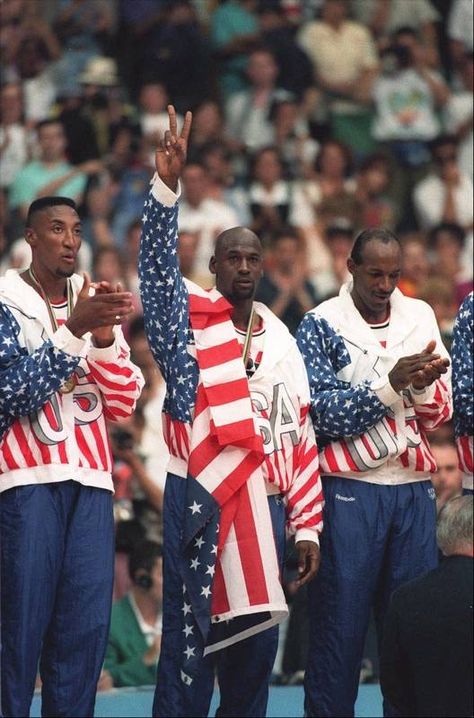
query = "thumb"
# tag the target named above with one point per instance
(84, 293)
(430, 346)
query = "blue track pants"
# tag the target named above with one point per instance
(56, 572)
(243, 670)
(375, 538)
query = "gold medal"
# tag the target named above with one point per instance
(68, 385)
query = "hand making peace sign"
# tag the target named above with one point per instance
(170, 156)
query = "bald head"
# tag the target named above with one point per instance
(234, 236)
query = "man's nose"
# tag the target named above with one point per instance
(244, 267)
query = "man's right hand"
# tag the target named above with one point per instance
(406, 369)
(100, 310)
(170, 156)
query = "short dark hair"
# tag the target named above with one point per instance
(455, 230)
(47, 122)
(367, 235)
(38, 205)
(143, 556)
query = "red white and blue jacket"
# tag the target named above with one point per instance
(365, 429)
(47, 436)
(463, 387)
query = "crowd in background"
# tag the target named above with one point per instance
(312, 119)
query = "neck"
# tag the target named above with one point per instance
(53, 286)
(371, 316)
(241, 314)
(146, 604)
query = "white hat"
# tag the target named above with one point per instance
(100, 71)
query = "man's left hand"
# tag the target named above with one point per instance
(309, 558)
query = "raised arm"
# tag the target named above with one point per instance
(163, 292)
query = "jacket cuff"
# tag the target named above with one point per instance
(306, 534)
(423, 396)
(385, 391)
(109, 353)
(162, 193)
(67, 342)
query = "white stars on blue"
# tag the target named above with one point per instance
(462, 350)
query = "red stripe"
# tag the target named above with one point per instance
(84, 448)
(367, 446)
(239, 433)
(100, 444)
(227, 392)
(251, 560)
(328, 453)
(62, 452)
(7, 454)
(214, 356)
(112, 368)
(23, 444)
(348, 457)
(236, 478)
(131, 387)
(219, 601)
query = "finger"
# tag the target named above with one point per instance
(84, 292)
(119, 288)
(172, 120)
(167, 141)
(430, 347)
(188, 120)
(310, 569)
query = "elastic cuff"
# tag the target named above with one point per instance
(423, 396)
(67, 341)
(385, 391)
(162, 193)
(110, 353)
(305, 534)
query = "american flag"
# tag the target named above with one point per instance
(216, 446)
(463, 379)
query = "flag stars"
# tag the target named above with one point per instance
(196, 509)
(189, 651)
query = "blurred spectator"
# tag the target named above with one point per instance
(177, 55)
(81, 139)
(135, 627)
(248, 121)
(200, 214)
(439, 293)
(133, 181)
(459, 114)
(332, 177)
(338, 237)
(447, 479)
(208, 126)
(345, 65)
(292, 136)
(460, 33)
(51, 173)
(83, 28)
(97, 210)
(284, 286)
(153, 117)
(233, 33)
(386, 17)
(103, 102)
(29, 53)
(15, 138)
(108, 266)
(373, 179)
(128, 533)
(222, 186)
(295, 70)
(131, 249)
(407, 97)
(415, 264)
(272, 199)
(447, 244)
(187, 248)
(446, 193)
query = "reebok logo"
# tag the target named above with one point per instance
(344, 498)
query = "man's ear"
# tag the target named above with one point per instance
(212, 265)
(351, 265)
(30, 236)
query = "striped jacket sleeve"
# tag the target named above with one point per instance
(305, 494)
(337, 408)
(120, 382)
(28, 380)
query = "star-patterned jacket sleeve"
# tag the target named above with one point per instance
(337, 408)
(462, 355)
(28, 380)
(162, 288)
